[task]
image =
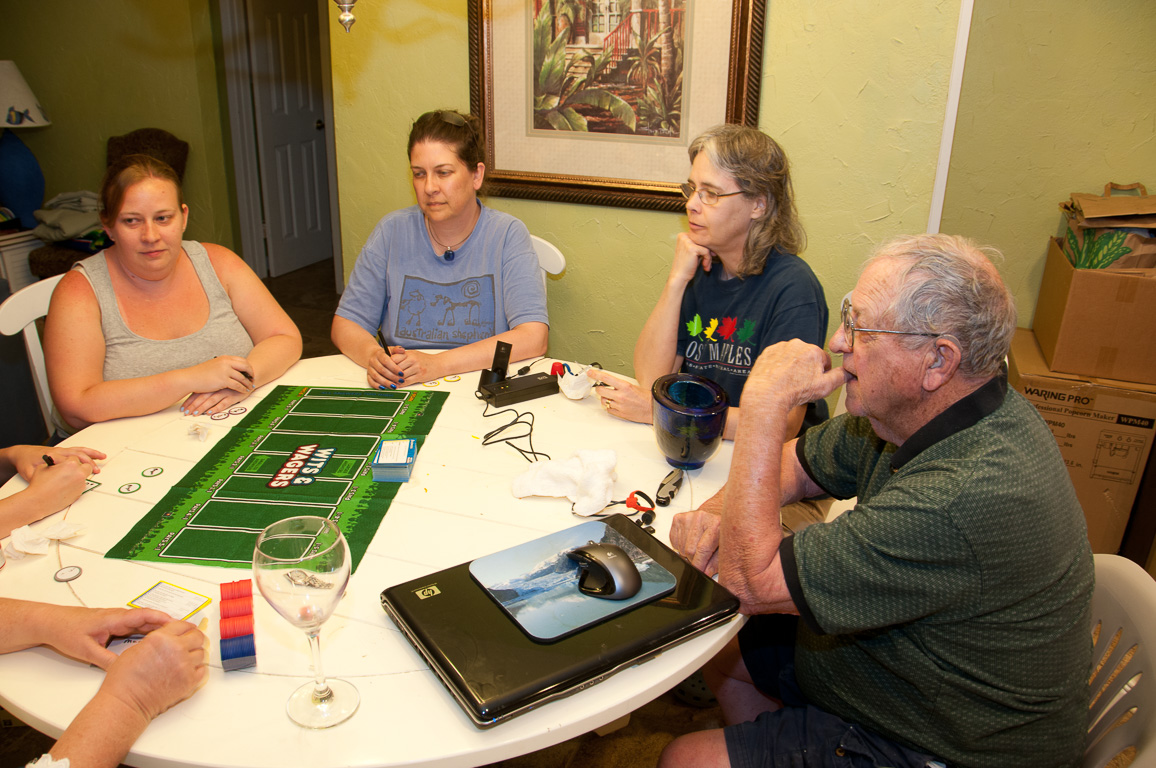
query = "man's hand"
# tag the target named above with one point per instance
(787, 375)
(695, 534)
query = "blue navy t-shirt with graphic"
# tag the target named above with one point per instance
(725, 324)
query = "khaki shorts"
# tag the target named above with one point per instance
(797, 516)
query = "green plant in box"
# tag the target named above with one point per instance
(1097, 251)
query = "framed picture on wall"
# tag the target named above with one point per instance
(596, 101)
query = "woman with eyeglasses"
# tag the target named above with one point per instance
(446, 274)
(736, 285)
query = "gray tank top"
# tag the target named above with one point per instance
(129, 356)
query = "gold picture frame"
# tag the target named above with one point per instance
(527, 158)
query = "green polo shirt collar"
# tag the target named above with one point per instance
(965, 413)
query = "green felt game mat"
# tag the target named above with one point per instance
(300, 451)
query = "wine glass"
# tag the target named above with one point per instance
(302, 566)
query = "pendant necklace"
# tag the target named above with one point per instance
(449, 251)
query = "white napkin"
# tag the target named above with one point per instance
(25, 541)
(576, 385)
(586, 478)
(199, 431)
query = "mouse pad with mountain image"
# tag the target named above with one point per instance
(536, 584)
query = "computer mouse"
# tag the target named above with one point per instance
(607, 572)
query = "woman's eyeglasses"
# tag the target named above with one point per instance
(453, 118)
(708, 196)
(849, 327)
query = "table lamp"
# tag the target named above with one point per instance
(21, 181)
(689, 414)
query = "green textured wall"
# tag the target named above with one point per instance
(103, 68)
(1057, 98)
(855, 92)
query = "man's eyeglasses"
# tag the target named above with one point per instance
(708, 196)
(849, 327)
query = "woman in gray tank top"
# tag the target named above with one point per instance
(154, 318)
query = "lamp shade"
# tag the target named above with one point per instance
(21, 180)
(19, 105)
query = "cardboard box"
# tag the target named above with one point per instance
(1104, 429)
(1097, 322)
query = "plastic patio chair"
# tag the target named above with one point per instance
(550, 259)
(1123, 710)
(19, 312)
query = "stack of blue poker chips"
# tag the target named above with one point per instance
(238, 652)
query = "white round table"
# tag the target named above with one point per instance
(457, 506)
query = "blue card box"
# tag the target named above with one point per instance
(393, 460)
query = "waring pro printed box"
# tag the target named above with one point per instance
(1104, 428)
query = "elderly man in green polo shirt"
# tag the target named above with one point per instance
(944, 619)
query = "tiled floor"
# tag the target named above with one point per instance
(310, 299)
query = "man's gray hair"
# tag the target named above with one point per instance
(949, 286)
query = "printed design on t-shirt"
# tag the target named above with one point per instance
(446, 313)
(721, 343)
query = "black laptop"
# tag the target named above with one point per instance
(497, 664)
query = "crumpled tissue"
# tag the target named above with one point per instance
(587, 479)
(576, 385)
(25, 541)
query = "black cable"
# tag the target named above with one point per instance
(526, 420)
(526, 368)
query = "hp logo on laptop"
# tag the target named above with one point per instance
(424, 592)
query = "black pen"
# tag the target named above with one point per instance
(48, 460)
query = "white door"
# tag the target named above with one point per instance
(285, 58)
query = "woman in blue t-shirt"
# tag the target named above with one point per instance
(448, 273)
(735, 285)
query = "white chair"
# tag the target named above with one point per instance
(19, 312)
(1123, 680)
(550, 259)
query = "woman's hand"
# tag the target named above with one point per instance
(621, 398)
(83, 633)
(688, 257)
(382, 370)
(218, 384)
(224, 372)
(209, 403)
(54, 488)
(163, 669)
(415, 367)
(27, 458)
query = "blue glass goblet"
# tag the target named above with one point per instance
(689, 415)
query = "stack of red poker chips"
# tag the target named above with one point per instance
(238, 648)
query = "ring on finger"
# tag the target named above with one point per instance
(606, 404)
